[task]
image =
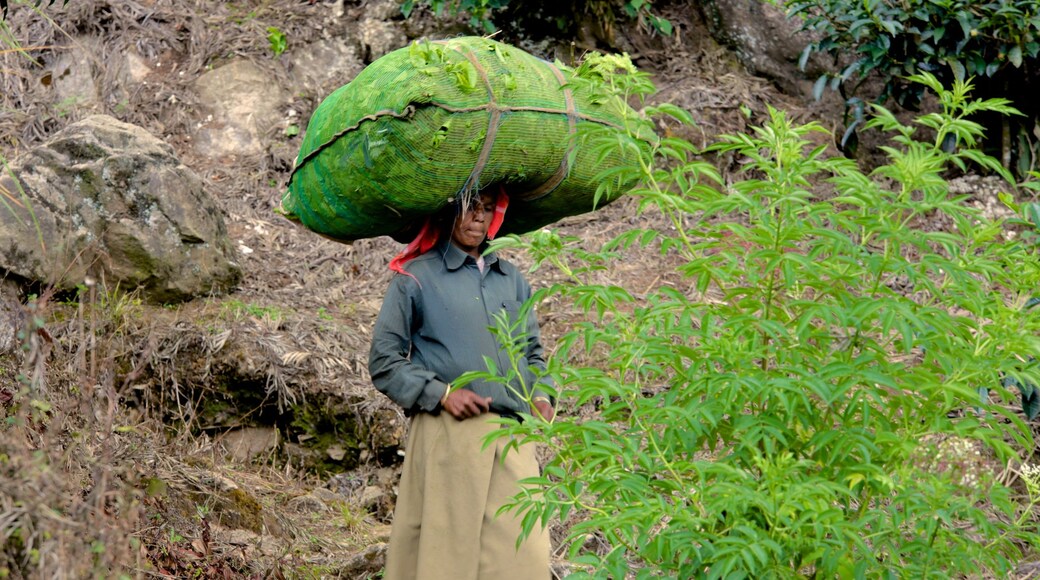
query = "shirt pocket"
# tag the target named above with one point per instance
(512, 309)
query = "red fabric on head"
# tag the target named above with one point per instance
(424, 240)
(501, 203)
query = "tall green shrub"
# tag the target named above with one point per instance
(805, 402)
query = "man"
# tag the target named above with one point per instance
(434, 326)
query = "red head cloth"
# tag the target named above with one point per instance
(501, 203)
(428, 236)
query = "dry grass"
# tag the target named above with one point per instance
(69, 500)
(92, 486)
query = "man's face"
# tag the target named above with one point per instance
(471, 227)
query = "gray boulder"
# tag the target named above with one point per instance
(244, 104)
(106, 200)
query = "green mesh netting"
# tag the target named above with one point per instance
(436, 121)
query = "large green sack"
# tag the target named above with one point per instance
(434, 122)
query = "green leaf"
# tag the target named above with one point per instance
(966, 20)
(819, 86)
(804, 57)
(1031, 402)
(663, 25)
(1009, 201)
(891, 26)
(1015, 56)
(855, 26)
(277, 40)
(673, 111)
(1033, 213)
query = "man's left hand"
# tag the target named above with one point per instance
(544, 410)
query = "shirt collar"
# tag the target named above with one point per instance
(454, 258)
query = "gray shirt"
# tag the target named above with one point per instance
(435, 327)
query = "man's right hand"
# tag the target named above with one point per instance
(463, 404)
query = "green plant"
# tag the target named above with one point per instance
(479, 11)
(996, 41)
(351, 517)
(1030, 475)
(637, 9)
(236, 310)
(1025, 225)
(109, 310)
(953, 39)
(768, 411)
(604, 11)
(173, 536)
(277, 40)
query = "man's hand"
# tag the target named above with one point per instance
(544, 409)
(463, 404)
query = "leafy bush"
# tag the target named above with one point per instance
(997, 41)
(802, 401)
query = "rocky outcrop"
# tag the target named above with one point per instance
(106, 200)
(764, 40)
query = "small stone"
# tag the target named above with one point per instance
(243, 445)
(327, 495)
(370, 561)
(345, 483)
(371, 497)
(336, 453)
(307, 504)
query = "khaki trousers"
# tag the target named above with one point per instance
(444, 525)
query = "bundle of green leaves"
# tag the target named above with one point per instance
(805, 401)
